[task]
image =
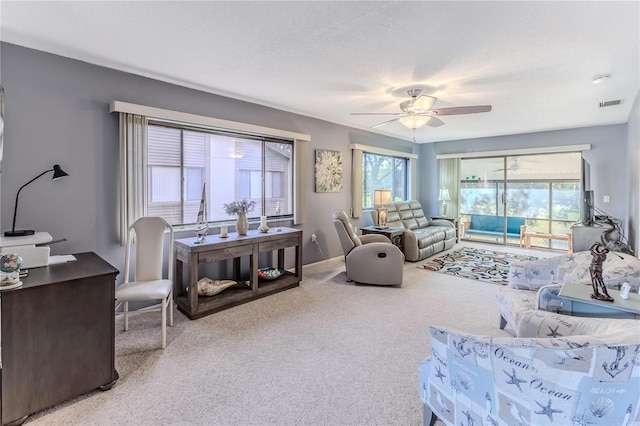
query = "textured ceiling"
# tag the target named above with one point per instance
(532, 61)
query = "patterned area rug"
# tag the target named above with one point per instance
(476, 264)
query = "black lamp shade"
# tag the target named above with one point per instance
(57, 174)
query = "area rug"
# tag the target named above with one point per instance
(476, 264)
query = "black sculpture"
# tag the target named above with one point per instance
(599, 253)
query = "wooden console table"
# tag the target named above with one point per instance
(234, 247)
(58, 336)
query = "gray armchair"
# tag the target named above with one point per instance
(370, 259)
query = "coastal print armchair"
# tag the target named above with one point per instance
(553, 377)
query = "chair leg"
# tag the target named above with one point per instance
(126, 316)
(503, 322)
(164, 323)
(171, 308)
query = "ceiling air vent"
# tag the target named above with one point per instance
(610, 103)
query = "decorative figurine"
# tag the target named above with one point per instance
(599, 253)
(10, 265)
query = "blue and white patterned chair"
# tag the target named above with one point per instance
(536, 284)
(563, 371)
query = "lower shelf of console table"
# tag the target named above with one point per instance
(215, 249)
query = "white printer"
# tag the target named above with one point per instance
(28, 248)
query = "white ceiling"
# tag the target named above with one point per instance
(532, 61)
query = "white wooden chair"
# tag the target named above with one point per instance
(148, 284)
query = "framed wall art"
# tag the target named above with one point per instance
(328, 166)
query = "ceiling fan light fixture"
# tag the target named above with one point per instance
(414, 122)
(424, 103)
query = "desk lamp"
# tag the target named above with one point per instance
(57, 174)
(380, 198)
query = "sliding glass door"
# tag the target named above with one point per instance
(540, 191)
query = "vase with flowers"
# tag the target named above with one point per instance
(240, 209)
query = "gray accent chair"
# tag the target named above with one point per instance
(369, 259)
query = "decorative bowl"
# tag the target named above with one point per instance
(269, 273)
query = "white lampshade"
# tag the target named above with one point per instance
(381, 196)
(444, 195)
(414, 122)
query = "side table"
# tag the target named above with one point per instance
(396, 235)
(577, 301)
(453, 220)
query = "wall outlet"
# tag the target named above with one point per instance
(605, 199)
(314, 238)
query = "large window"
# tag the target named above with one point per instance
(383, 172)
(545, 189)
(181, 159)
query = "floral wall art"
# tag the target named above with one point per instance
(328, 171)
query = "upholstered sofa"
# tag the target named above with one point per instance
(563, 370)
(536, 284)
(422, 237)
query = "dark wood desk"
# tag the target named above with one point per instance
(234, 247)
(57, 336)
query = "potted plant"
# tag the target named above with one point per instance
(240, 209)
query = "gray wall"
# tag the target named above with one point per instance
(610, 169)
(57, 112)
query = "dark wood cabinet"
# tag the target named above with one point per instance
(58, 336)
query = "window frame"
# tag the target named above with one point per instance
(358, 150)
(257, 178)
(132, 133)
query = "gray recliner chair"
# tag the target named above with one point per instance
(370, 259)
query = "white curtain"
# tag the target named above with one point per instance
(449, 170)
(133, 167)
(300, 181)
(356, 183)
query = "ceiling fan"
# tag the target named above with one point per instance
(417, 111)
(514, 166)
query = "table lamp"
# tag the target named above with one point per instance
(444, 197)
(57, 174)
(381, 197)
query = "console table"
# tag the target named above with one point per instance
(57, 336)
(577, 301)
(215, 249)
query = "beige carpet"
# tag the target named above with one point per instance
(327, 353)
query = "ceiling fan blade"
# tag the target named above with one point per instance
(434, 122)
(377, 113)
(461, 110)
(383, 123)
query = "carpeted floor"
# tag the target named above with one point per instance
(476, 264)
(329, 352)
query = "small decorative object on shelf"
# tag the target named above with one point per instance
(270, 273)
(10, 265)
(240, 209)
(263, 225)
(202, 227)
(599, 253)
(278, 228)
(209, 287)
(224, 230)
